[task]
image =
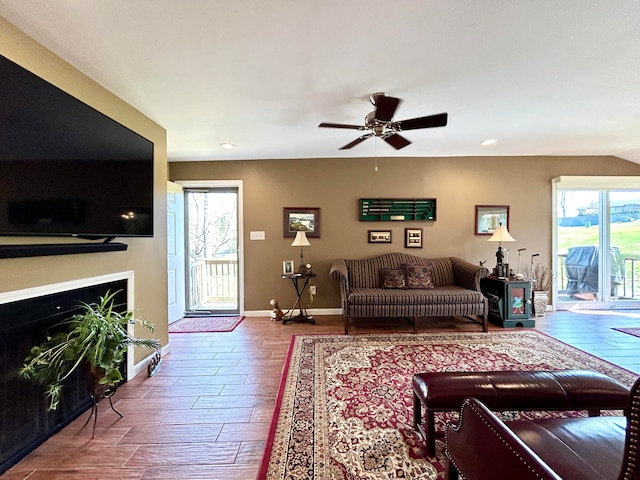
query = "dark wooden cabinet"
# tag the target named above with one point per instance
(509, 301)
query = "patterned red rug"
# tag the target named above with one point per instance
(631, 331)
(204, 324)
(344, 408)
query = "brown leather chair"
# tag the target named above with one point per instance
(483, 447)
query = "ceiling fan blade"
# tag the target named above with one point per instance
(439, 120)
(341, 125)
(356, 141)
(397, 141)
(386, 107)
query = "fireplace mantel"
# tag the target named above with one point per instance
(27, 293)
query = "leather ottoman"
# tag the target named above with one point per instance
(512, 390)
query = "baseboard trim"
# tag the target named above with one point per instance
(311, 311)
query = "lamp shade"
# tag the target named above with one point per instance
(501, 234)
(300, 240)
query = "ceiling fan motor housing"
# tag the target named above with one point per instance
(378, 127)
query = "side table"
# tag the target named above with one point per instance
(300, 282)
(509, 301)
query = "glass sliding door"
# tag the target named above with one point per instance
(578, 245)
(589, 222)
(624, 238)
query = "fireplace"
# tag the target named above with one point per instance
(25, 317)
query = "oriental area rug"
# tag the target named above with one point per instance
(345, 405)
(631, 331)
(204, 324)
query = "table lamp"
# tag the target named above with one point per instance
(501, 234)
(301, 241)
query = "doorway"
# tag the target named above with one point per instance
(212, 239)
(591, 219)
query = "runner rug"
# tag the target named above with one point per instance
(631, 331)
(345, 405)
(204, 324)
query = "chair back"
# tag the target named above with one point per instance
(630, 463)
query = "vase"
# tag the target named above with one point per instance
(540, 302)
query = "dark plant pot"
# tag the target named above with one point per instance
(92, 376)
(97, 390)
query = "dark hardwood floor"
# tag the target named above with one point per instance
(206, 413)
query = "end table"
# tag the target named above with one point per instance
(509, 301)
(300, 282)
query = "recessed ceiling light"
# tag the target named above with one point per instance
(488, 141)
(227, 145)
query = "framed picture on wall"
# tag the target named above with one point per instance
(379, 236)
(296, 219)
(412, 238)
(488, 217)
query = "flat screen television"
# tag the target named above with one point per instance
(67, 169)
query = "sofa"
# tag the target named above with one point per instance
(400, 285)
(482, 446)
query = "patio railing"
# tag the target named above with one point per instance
(213, 281)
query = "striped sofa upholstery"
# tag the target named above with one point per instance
(456, 292)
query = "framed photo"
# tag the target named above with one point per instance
(379, 236)
(287, 267)
(295, 219)
(488, 217)
(412, 238)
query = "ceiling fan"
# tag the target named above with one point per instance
(380, 125)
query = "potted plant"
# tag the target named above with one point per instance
(96, 340)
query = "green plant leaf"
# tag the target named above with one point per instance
(97, 335)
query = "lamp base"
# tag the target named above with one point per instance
(302, 269)
(501, 270)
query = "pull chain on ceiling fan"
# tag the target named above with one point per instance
(375, 154)
(380, 123)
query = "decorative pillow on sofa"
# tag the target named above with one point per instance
(392, 278)
(419, 276)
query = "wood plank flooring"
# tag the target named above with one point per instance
(207, 412)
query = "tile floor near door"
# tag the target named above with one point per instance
(207, 412)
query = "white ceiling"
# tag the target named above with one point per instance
(543, 77)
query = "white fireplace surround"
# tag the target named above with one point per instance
(27, 293)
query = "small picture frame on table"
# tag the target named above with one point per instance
(288, 267)
(379, 236)
(412, 238)
(488, 217)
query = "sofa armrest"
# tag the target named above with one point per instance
(482, 447)
(466, 274)
(339, 271)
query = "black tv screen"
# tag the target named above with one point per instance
(67, 169)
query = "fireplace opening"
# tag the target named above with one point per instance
(25, 422)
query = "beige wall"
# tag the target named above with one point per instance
(146, 257)
(336, 185)
(333, 185)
